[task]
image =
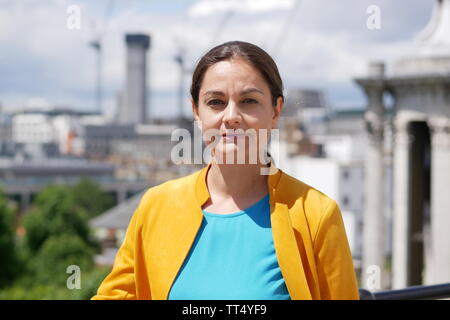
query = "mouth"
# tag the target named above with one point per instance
(230, 137)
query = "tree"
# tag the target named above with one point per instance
(56, 213)
(8, 259)
(57, 235)
(57, 254)
(91, 197)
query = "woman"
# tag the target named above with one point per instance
(229, 230)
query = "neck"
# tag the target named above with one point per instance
(231, 180)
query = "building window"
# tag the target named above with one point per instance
(345, 201)
(346, 174)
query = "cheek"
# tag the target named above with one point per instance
(209, 124)
(209, 128)
(262, 122)
(207, 121)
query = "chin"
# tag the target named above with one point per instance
(230, 151)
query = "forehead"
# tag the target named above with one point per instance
(236, 73)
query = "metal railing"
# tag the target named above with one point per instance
(431, 292)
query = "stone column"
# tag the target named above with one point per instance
(401, 235)
(374, 214)
(438, 265)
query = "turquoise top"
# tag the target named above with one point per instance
(233, 258)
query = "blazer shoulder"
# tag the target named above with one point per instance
(314, 203)
(175, 184)
(172, 188)
(294, 189)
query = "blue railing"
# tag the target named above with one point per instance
(431, 292)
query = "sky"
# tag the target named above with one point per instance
(317, 44)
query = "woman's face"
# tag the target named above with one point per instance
(235, 98)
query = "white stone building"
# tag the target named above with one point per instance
(420, 85)
(339, 172)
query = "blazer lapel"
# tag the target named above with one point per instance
(186, 227)
(286, 247)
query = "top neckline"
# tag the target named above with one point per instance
(237, 213)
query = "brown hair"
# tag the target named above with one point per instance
(253, 54)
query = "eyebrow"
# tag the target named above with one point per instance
(220, 93)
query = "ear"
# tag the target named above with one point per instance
(277, 112)
(194, 110)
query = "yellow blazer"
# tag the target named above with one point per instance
(308, 232)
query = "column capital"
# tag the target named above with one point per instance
(374, 94)
(374, 124)
(440, 131)
(402, 135)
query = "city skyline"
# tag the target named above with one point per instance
(54, 64)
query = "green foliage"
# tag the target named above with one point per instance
(89, 283)
(90, 197)
(37, 292)
(57, 253)
(57, 235)
(55, 213)
(8, 258)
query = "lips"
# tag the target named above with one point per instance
(230, 137)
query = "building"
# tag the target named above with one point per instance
(97, 141)
(22, 180)
(302, 120)
(133, 105)
(339, 171)
(420, 86)
(110, 228)
(6, 142)
(48, 133)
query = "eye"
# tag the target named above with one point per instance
(214, 102)
(249, 100)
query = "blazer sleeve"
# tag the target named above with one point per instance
(120, 284)
(336, 274)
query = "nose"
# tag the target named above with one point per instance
(232, 115)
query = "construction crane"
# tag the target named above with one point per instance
(285, 29)
(180, 59)
(96, 44)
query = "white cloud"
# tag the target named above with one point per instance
(207, 7)
(325, 47)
